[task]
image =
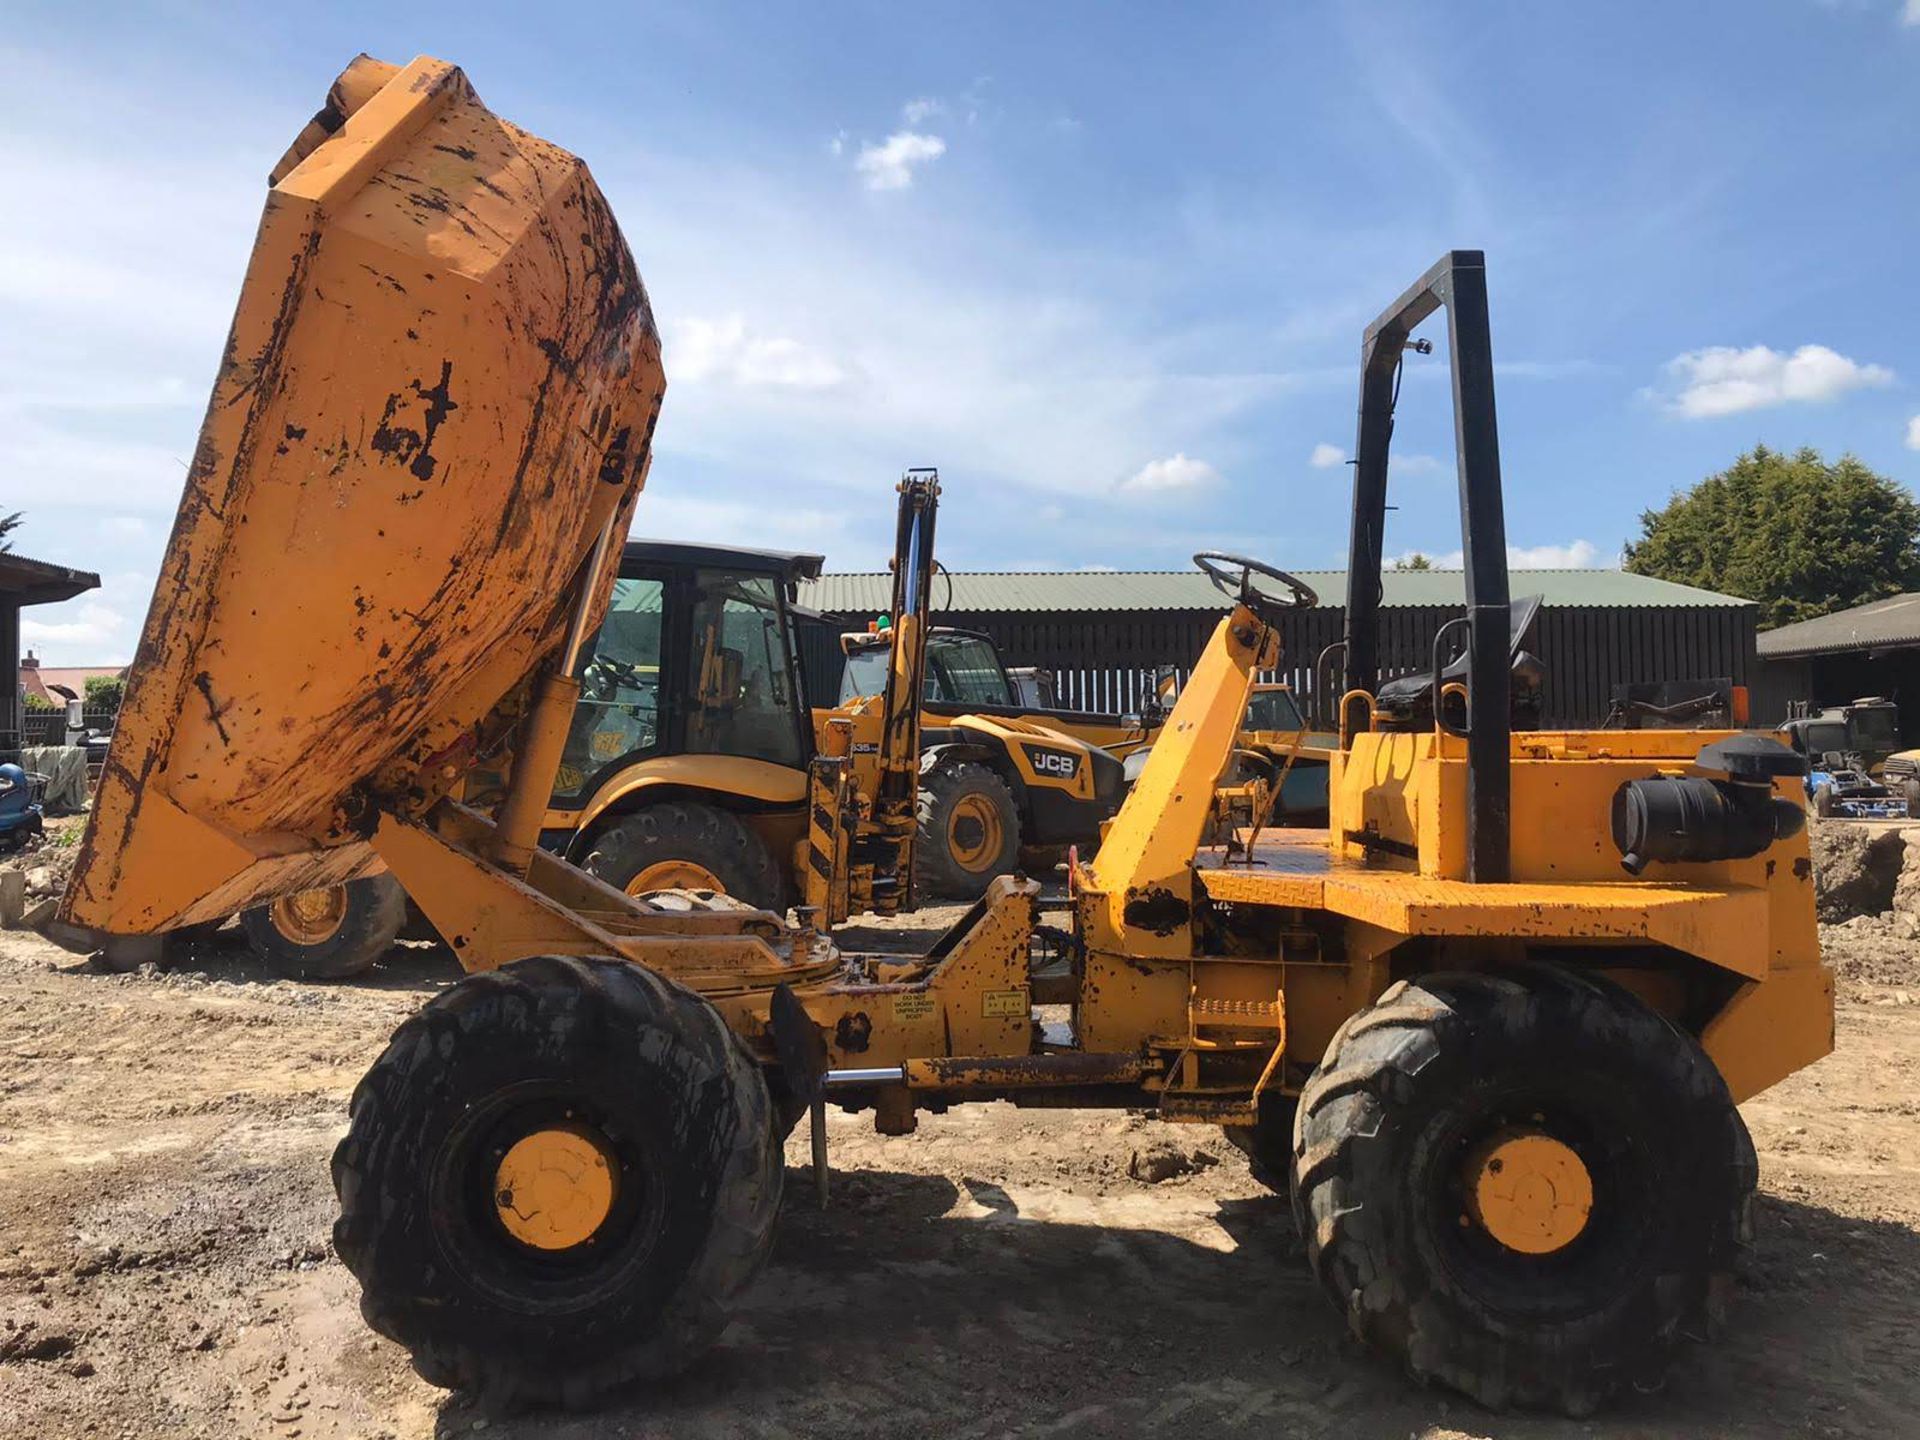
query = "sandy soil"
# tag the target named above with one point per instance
(165, 1267)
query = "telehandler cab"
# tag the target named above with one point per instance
(1515, 986)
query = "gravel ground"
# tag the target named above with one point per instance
(165, 1267)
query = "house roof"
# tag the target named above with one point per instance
(60, 683)
(36, 582)
(979, 591)
(1887, 623)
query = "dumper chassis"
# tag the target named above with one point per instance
(1492, 1021)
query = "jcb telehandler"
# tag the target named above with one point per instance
(1493, 1020)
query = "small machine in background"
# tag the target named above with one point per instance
(1855, 768)
(22, 816)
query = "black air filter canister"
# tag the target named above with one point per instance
(1690, 818)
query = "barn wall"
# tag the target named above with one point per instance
(10, 709)
(1106, 661)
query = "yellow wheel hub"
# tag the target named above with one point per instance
(674, 875)
(974, 836)
(308, 917)
(1529, 1191)
(555, 1188)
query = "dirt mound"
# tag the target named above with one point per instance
(1873, 954)
(1858, 868)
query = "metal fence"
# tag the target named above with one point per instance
(49, 727)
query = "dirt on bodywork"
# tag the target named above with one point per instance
(165, 1266)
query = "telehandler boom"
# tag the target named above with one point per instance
(1493, 1019)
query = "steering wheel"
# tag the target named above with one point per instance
(1232, 575)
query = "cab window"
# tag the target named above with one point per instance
(865, 672)
(740, 671)
(1873, 726)
(962, 670)
(618, 714)
(1273, 710)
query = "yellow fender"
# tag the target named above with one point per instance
(1043, 758)
(731, 779)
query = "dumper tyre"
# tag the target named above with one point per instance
(685, 845)
(650, 1074)
(1418, 1097)
(969, 831)
(342, 937)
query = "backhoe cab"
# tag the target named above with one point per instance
(1515, 1039)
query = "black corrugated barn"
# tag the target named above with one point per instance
(1103, 633)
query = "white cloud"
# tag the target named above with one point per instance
(124, 527)
(101, 627)
(1177, 472)
(1575, 555)
(87, 626)
(837, 146)
(1913, 425)
(1722, 380)
(890, 164)
(1579, 555)
(666, 514)
(922, 109)
(1325, 456)
(699, 349)
(1910, 13)
(803, 376)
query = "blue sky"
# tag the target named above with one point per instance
(1106, 266)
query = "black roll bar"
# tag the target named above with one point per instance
(1457, 282)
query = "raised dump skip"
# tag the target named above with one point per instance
(440, 387)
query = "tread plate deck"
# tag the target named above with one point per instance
(1720, 924)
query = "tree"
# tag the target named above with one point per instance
(103, 692)
(1800, 536)
(1416, 561)
(8, 523)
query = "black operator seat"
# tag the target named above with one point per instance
(1406, 702)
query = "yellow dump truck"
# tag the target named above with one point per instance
(1491, 1022)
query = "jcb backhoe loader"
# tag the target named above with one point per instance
(686, 765)
(688, 761)
(1516, 986)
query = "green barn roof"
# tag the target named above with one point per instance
(983, 591)
(1888, 623)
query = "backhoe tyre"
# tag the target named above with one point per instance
(332, 933)
(1442, 1154)
(969, 831)
(680, 845)
(639, 1133)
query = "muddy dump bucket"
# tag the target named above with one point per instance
(439, 389)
